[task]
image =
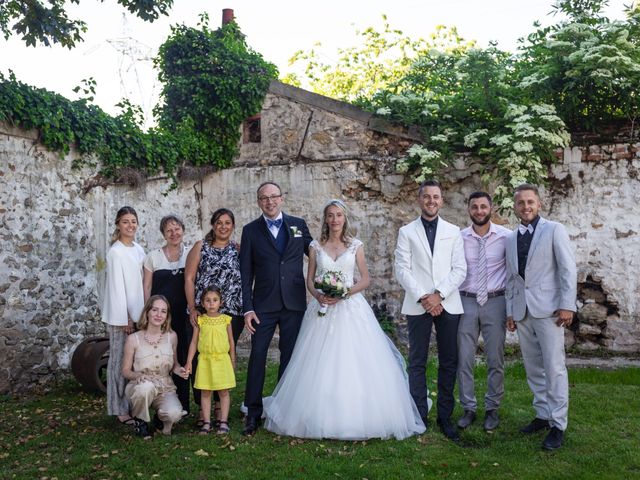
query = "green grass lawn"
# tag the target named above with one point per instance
(66, 434)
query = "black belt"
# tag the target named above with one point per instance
(497, 293)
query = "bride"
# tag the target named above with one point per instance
(346, 379)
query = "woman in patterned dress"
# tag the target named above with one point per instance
(214, 261)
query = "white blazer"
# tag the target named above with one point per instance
(419, 272)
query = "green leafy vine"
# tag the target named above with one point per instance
(212, 82)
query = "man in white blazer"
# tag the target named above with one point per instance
(541, 300)
(430, 266)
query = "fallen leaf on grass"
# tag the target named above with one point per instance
(496, 464)
(201, 453)
(474, 464)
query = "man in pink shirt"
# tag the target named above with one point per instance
(483, 301)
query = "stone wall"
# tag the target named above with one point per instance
(54, 230)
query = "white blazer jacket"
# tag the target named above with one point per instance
(419, 272)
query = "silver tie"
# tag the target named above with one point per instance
(482, 295)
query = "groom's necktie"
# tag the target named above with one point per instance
(482, 294)
(274, 223)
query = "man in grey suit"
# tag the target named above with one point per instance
(482, 295)
(541, 301)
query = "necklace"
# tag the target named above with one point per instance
(175, 257)
(152, 343)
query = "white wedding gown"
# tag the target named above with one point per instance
(346, 379)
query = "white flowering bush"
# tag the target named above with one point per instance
(510, 110)
(468, 101)
(587, 66)
(514, 111)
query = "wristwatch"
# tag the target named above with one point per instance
(439, 293)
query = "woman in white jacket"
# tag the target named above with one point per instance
(123, 302)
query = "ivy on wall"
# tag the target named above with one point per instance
(212, 82)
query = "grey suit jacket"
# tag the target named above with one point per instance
(551, 278)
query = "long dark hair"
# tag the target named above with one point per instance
(211, 236)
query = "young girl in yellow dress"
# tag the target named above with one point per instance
(213, 339)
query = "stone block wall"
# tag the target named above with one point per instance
(54, 232)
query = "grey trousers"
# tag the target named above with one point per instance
(490, 319)
(117, 403)
(542, 346)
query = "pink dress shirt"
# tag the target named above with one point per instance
(495, 247)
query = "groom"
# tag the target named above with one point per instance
(273, 289)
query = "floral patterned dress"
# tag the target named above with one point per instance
(221, 267)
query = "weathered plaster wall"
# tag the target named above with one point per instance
(54, 235)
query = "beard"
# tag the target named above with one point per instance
(482, 221)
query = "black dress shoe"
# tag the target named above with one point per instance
(449, 430)
(250, 426)
(491, 420)
(536, 425)
(553, 440)
(142, 429)
(467, 419)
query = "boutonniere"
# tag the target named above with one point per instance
(295, 232)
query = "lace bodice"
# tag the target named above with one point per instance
(345, 263)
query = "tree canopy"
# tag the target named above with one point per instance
(377, 63)
(48, 22)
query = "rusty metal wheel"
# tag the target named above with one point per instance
(89, 363)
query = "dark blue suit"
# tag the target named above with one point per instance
(273, 286)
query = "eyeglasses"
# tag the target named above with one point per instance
(270, 197)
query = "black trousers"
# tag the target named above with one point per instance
(446, 326)
(289, 323)
(182, 326)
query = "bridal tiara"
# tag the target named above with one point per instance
(335, 201)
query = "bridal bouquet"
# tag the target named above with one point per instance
(332, 284)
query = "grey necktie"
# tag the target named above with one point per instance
(482, 295)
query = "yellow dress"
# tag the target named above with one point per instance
(214, 371)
